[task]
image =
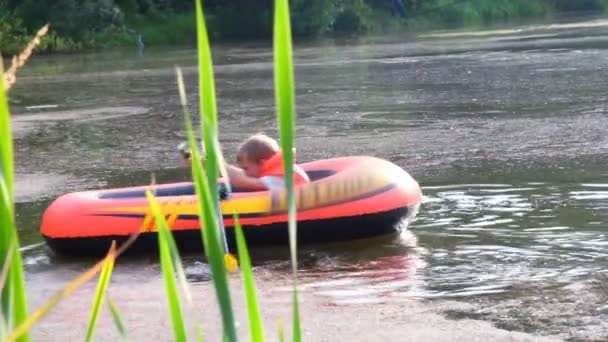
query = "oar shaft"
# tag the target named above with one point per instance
(220, 218)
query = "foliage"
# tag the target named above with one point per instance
(88, 24)
(13, 306)
(13, 321)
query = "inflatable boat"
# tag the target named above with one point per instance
(347, 198)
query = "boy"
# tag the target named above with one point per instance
(260, 165)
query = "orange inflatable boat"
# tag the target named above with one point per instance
(347, 198)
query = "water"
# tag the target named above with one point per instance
(505, 131)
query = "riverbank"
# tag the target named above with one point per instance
(146, 316)
(121, 25)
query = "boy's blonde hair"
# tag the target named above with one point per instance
(257, 148)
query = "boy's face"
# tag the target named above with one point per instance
(251, 169)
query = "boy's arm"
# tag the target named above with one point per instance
(239, 179)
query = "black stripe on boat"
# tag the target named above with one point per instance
(309, 231)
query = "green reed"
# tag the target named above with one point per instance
(13, 302)
(120, 326)
(14, 314)
(100, 293)
(168, 250)
(286, 118)
(256, 326)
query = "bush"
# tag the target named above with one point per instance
(353, 17)
(475, 12)
(82, 24)
(13, 35)
(580, 5)
(160, 29)
(313, 17)
(236, 21)
(71, 18)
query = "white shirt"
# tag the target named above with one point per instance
(273, 182)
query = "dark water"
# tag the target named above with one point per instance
(505, 130)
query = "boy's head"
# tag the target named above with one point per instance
(253, 151)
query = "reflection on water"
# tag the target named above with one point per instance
(488, 239)
(539, 244)
(504, 129)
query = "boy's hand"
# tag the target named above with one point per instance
(186, 154)
(184, 150)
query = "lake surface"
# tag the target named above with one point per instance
(505, 130)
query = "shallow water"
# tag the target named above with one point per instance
(504, 130)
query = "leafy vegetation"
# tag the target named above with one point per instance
(13, 306)
(87, 24)
(14, 321)
(284, 86)
(102, 286)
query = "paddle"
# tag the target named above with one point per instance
(230, 261)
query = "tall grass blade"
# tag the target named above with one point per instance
(177, 262)
(3, 328)
(209, 127)
(13, 295)
(164, 235)
(209, 224)
(206, 88)
(256, 326)
(199, 333)
(281, 332)
(211, 240)
(3, 275)
(6, 146)
(297, 329)
(37, 315)
(179, 268)
(229, 260)
(102, 285)
(120, 326)
(286, 116)
(6, 266)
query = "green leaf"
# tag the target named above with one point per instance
(211, 241)
(22, 329)
(207, 103)
(281, 332)
(297, 329)
(117, 319)
(199, 333)
(3, 275)
(3, 328)
(286, 116)
(102, 285)
(206, 187)
(256, 326)
(6, 145)
(6, 267)
(13, 295)
(179, 268)
(167, 266)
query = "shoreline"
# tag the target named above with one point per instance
(414, 26)
(148, 318)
